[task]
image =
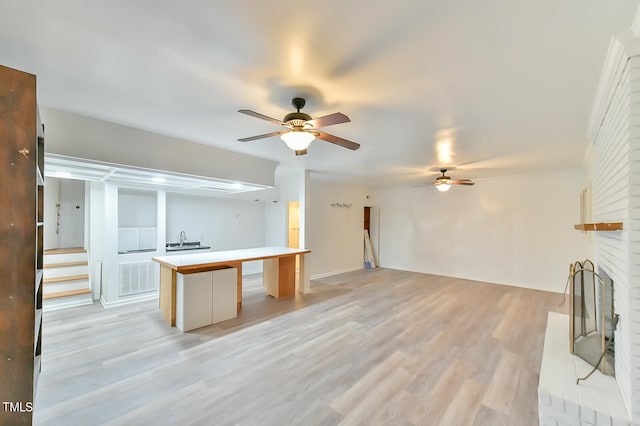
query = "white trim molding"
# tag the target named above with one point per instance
(329, 274)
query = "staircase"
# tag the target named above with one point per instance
(66, 279)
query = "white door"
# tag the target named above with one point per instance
(71, 210)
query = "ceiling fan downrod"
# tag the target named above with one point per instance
(298, 103)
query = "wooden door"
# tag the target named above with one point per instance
(367, 219)
(293, 224)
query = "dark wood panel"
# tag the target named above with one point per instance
(287, 276)
(19, 241)
(367, 218)
(605, 226)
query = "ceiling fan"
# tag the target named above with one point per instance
(301, 129)
(443, 183)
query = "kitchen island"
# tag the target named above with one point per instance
(279, 272)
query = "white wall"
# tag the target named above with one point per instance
(109, 219)
(222, 223)
(275, 223)
(137, 219)
(84, 137)
(334, 234)
(137, 208)
(51, 197)
(516, 230)
(95, 248)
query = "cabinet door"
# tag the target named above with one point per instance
(270, 274)
(225, 295)
(193, 300)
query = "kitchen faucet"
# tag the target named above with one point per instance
(183, 237)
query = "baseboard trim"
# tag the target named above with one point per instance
(129, 301)
(330, 274)
(65, 305)
(559, 284)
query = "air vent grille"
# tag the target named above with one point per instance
(137, 277)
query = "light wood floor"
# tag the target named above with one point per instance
(380, 347)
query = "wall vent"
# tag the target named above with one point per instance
(137, 277)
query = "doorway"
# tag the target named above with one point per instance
(367, 219)
(293, 234)
(372, 227)
(293, 224)
(64, 213)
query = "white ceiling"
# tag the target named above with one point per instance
(509, 84)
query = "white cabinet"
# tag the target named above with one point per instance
(194, 294)
(205, 298)
(225, 294)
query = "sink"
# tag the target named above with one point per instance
(191, 245)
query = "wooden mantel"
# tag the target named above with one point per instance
(602, 226)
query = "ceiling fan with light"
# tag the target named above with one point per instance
(443, 183)
(300, 129)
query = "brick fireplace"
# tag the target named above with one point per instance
(614, 156)
(615, 182)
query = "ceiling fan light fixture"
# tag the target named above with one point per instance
(442, 186)
(302, 128)
(297, 139)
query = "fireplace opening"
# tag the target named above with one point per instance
(592, 318)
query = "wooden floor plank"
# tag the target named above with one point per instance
(64, 264)
(366, 347)
(47, 296)
(66, 278)
(355, 394)
(65, 250)
(502, 388)
(465, 405)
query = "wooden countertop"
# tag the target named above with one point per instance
(199, 262)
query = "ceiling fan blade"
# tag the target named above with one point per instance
(329, 120)
(260, 116)
(266, 135)
(462, 182)
(338, 141)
